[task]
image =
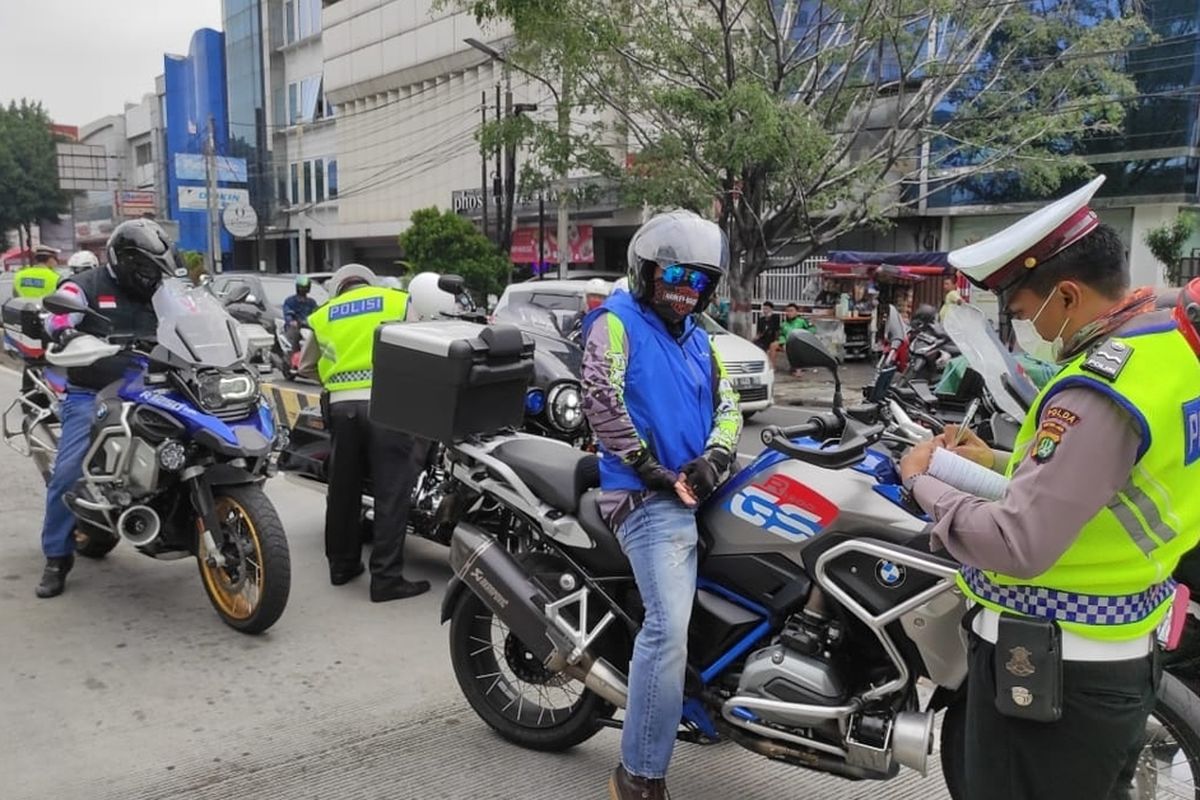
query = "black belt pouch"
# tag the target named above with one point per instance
(1028, 667)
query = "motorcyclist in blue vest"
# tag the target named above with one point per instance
(667, 420)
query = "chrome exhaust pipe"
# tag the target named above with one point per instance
(912, 739)
(139, 525)
(603, 679)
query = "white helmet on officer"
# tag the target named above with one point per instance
(350, 276)
(595, 292)
(82, 260)
(427, 300)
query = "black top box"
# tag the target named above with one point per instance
(448, 380)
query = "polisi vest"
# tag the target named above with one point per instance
(36, 281)
(127, 315)
(1114, 581)
(669, 387)
(345, 330)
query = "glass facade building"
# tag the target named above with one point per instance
(247, 112)
(194, 99)
(1155, 157)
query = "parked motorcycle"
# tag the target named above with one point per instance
(818, 608)
(179, 451)
(553, 409)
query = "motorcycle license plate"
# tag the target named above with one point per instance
(744, 383)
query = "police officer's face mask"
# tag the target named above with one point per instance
(1032, 342)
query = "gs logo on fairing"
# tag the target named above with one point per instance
(889, 575)
(783, 507)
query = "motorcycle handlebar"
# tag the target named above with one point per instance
(849, 451)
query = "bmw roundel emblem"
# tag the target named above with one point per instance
(889, 575)
(102, 411)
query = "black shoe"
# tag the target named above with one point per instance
(398, 590)
(54, 576)
(623, 786)
(342, 576)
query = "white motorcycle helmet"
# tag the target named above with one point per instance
(83, 260)
(426, 300)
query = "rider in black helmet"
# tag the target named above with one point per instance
(140, 255)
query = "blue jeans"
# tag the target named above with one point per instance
(58, 529)
(660, 539)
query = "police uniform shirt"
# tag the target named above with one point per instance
(1053, 493)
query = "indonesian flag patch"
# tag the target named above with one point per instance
(106, 301)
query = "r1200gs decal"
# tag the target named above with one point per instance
(784, 507)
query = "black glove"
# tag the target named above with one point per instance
(704, 473)
(652, 473)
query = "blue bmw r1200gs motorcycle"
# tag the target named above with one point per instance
(819, 608)
(180, 448)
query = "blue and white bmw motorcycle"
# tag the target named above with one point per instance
(819, 612)
(179, 451)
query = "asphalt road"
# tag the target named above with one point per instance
(128, 686)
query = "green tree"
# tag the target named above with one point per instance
(445, 243)
(568, 135)
(1167, 241)
(792, 123)
(29, 188)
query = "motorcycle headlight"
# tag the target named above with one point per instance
(219, 390)
(566, 407)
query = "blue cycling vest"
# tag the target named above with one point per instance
(668, 389)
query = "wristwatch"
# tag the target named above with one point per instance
(906, 488)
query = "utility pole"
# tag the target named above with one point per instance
(564, 195)
(214, 221)
(498, 180)
(483, 170)
(541, 231)
(510, 175)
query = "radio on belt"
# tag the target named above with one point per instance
(447, 380)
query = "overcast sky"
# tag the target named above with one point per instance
(85, 59)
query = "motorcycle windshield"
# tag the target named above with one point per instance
(528, 315)
(194, 326)
(1005, 379)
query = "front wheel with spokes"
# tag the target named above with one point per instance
(509, 688)
(248, 575)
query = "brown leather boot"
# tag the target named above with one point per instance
(623, 786)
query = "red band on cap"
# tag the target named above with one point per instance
(1073, 228)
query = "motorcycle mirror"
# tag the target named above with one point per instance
(61, 303)
(804, 349)
(453, 284)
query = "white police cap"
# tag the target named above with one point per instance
(1001, 260)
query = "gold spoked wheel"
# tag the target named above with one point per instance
(248, 575)
(236, 587)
